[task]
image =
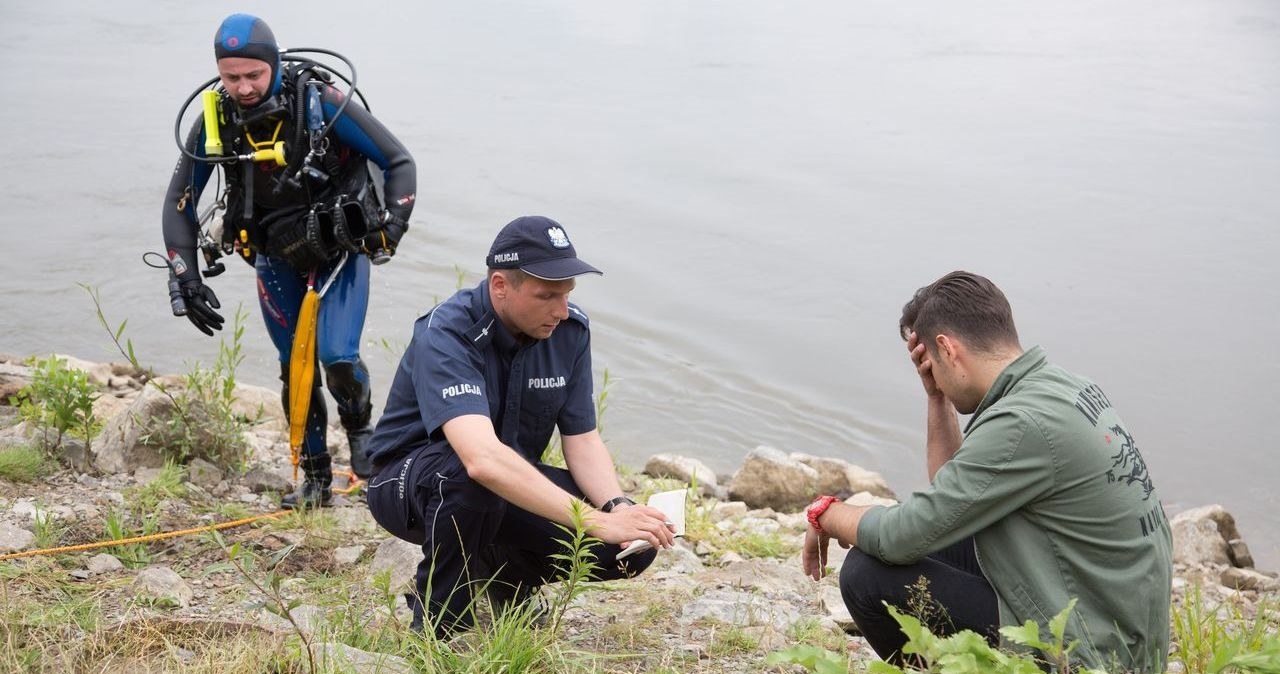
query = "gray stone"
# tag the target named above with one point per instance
(684, 469)
(98, 373)
(764, 577)
(1248, 579)
(735, 607)
(760, 526)
(260, 406)
(1238, 550)
(74, 452)
(262, 479)
(104, 563)
(308, 618)
(865, 498)
(120, 448)
(162, 582)
(353, 520)
(837, 476)
(14, 538)
(769, 478)
(203, 474)
(680, 559)
(1215, 513)
(1198, 542)
(832, 605)
(726, 510)
(347, 555)
(731, 557)
(400, 558)
(336, 657)
(147, 474)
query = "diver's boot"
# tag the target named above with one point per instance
(315, 492)
(360, 463)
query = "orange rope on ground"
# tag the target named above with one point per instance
(140, 539)
(354, 485)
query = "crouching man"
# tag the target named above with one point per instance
(487, 377)
(1042, 499)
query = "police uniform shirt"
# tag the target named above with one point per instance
(463, 360)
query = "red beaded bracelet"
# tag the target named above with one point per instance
(815, 510)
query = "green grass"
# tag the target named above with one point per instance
(22, 463)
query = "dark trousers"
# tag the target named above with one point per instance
(956, 596)
(472, 539)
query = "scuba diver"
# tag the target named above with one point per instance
(301, 206)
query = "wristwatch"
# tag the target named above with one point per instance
(615, 502)
(815, 510)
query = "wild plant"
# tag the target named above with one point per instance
(576, 563)
(1219, 639)
(59, 400)
(247, 565)
(117, 528)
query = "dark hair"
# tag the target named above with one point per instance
(965, 304)
(515, 277)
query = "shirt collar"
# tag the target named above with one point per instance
(487, 327)
(1032, 359)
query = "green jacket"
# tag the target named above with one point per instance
(1051, 485)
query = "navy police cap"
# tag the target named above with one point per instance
(538, 246)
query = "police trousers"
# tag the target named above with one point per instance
(472, 540)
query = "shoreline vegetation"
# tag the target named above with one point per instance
(93, 452)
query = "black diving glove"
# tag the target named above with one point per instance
(201, 303)
(381, 243)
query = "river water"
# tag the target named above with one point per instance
(764, 184)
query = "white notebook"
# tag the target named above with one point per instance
(670, 503)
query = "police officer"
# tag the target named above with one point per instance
(274, 211)
(487, 377)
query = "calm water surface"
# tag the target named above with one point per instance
(765, 184)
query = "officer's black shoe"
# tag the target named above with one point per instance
(315, 491)
(360, 463)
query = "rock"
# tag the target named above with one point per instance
(147, 474)
(401, 559)
(1198, 542)
(680, 559)
(262, 479)
(120, 448)
(163, 583)
(836, 476)
(833, 607)
(308, 618)
(104, 563)
(766, 578)
(347, 555)
(335, 657)
(730, 558)
(98, 373)
(726, 510)
(684, 469)
(735, 607)
(259, 406)
(14, 538)
(866, 498)
(74, 452)
(1248, 579)
(1239, 553)
(203, 474)
(771, 479)
(1217, 514)
(353, 520)
(760, 526)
